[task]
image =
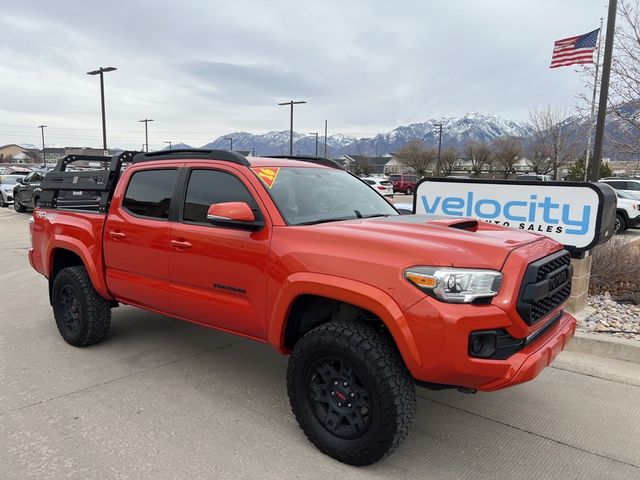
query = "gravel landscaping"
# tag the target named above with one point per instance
(617, 319)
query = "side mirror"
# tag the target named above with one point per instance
(234, 215)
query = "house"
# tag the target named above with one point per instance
(15, 153)
(362, 164)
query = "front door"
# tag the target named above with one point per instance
(218, 274)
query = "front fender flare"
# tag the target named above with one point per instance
(349, 291)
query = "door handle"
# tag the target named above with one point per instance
(117, 235)
(180, 245)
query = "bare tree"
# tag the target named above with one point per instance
(507, 150)
(624, 87)
(448, 159)
(553, 144)
(538, 159)
(479, 153)
(414, 154)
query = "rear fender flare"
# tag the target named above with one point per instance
(349, 291)
(96, 274)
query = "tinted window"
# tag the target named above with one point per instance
(633, 186)
(211, 186)
(617, 184)
(149, 193)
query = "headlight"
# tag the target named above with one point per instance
(455, 285)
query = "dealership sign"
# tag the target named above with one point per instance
(578, 215)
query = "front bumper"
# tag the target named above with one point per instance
(634, 222)
(442, 337)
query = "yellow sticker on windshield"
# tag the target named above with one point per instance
(267, 175)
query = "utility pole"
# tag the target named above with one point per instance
(146, 132)
(439, 125)
(291, 103)
(100, 72)
(169, 142)
(231, 140)
(316, 134)
(44, 157)
(604, 91)
(325, 139)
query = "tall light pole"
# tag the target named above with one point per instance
(325, 139)
(44, 157)
(439, 125)
(169, 142)
(146, 132)
(292, 103)
(100, 72)
(316, 134)
(231, 140)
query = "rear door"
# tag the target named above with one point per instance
(218, 274)
(136, 239)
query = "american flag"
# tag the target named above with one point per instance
(572, 50)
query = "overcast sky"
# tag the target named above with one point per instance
(201, 69)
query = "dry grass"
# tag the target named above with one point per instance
(615, 268)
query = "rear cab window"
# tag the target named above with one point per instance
(149, 193)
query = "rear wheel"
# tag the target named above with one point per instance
(83, 317)
(350, 392)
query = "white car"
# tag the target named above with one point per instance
(384, 187)
(629, 185)
(627, 211)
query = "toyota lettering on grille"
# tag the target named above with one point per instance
(558, 280)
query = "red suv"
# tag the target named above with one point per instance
(405, 183)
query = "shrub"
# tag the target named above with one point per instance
(615, 268)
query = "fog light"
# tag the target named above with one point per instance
(482, 345)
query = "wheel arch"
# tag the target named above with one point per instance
(336, 296)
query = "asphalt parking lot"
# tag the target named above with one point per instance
(164, 399)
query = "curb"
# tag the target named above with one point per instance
(607, 347)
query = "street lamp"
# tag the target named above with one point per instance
(231, 140)
(292, 103)
(439, 125)
(146, 132)
(169, 142)
(44, 157)
(316, 134)
(100, 72)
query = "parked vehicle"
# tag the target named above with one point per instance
(7, 184)
(26, 193)
(627, 211)
(383, 186)
(405, 183)
(304, 256)
(13, 170)
(535, 178)
(629, 185)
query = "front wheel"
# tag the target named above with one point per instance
(619, 225)
(17, 205)
(83, 317)
(350, 392)
(2, 201)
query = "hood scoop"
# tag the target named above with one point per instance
(469, 224)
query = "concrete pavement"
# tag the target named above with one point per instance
(165, 399)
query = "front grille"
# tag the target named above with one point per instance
(546, 284)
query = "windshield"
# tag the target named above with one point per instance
(316, 195)
(9, 180)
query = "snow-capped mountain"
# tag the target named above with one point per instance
(178, 146)
(455, 133)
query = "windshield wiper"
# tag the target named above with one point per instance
(325, 220)
(374, 215)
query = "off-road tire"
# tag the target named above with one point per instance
(73, 292)
(619, 225)
(380, 369)
(18, 206)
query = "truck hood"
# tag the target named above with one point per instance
(428, 239)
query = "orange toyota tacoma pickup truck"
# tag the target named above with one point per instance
(300, 254)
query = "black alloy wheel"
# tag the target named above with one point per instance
(70, 309)
(339, 400)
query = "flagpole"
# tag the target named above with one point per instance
(593, 104)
